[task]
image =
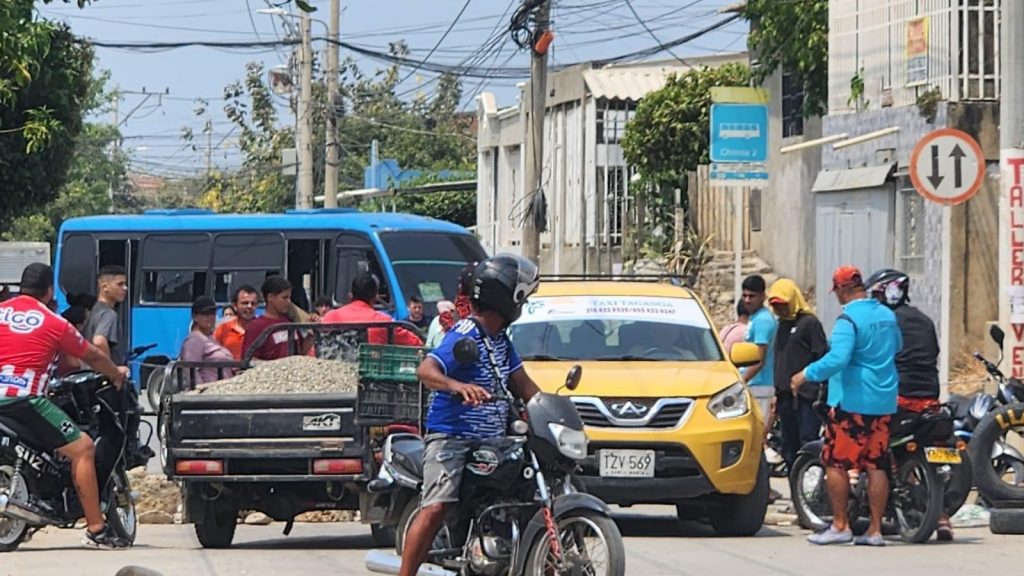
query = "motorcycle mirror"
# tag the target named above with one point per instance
(466, 351)
(997, 335)
(572, 380)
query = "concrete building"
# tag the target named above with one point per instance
(912, 66)
(586, 180)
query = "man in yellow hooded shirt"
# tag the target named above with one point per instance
(799, 340)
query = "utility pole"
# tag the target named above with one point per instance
(209, 148)
(1011, 183)
(116, 149)
(305, 118)
(535, 129)
(331, 165)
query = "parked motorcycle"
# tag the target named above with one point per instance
(36, 489)
(518, 512)
(1001, 475)
(923, 455)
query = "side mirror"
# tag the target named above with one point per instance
(997, 335)
(572, 380)
(744, 354)
(466, 351)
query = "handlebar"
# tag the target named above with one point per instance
(991, 368)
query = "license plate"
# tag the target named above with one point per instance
(942, 455)
(626, 463)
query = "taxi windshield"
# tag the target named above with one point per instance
(615, 328)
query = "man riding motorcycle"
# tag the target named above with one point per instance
(32, 338)
(460, 414)
(917, 362)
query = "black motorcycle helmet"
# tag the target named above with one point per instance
(890, 287)
(502, 283)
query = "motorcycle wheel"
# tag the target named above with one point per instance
(958, 489)
(120, 512)
(810, 495)
(154, 388)
(12, 532)
(578, 530)
(443, 541)
(917, 498)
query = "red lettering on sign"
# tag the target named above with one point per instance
(1016, 164)
(1018, 331)
(1016, 197)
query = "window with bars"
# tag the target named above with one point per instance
(611, 122)
(910, 228)
(979, 47)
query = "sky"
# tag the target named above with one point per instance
(152, 125)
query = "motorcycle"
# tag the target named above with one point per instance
(36, 488)
(924, 454)
(518, 511)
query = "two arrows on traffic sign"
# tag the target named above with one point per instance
(956, 168)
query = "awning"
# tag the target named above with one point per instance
(853, 179)
(628, 83)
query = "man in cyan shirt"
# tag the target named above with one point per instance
(761, 332)
(360, 310)
(863, 386)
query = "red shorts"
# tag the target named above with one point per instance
(856, 442)
(918, 404)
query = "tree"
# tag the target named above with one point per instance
(96, 182)
(669, 134)
(44, 81)
(422, 133)
(793, 36)
(667, 138)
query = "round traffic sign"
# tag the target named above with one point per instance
(947, 166)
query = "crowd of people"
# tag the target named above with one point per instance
(882, 356)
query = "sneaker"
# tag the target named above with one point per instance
(869, 540)
(831, 536)
(944, 533)
(105, 540)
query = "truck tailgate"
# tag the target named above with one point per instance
(264, 435)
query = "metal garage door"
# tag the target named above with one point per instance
(851, 227)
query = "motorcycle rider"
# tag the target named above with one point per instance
(460, 415)
(32, 337)
(918, 361)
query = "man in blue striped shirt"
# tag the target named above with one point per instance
(461, 414)
(863, 386)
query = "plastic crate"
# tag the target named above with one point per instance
(389, 363)
(380, 402)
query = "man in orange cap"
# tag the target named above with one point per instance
(863, 386)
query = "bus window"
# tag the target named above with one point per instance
(174, 267)
(355, 256)
(427, 264)
(240, 259)
(77, 271)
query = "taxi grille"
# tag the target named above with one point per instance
(631, 412)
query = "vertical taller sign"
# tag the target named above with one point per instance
(917, 51)
(1011, 162)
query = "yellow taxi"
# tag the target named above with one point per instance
(668, 418)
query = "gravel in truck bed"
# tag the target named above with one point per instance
(291, 375)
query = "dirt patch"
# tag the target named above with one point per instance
(291, 375)
(157, 496)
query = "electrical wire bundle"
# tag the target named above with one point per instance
(524, 32)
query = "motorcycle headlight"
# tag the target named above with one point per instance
(732, 402)
(571, 443)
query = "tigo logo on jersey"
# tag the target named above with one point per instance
(21, 322)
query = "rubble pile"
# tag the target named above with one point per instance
(290, 375)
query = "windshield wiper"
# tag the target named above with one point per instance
(545, 358)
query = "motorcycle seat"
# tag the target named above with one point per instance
(407, 454)
(11, 426)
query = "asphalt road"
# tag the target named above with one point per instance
(655, 544)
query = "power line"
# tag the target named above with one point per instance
(650, 32)
(440, 40)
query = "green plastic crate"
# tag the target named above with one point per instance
(389, 363)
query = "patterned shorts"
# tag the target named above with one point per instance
(855, 441)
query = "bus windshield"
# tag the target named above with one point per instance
(427, 264)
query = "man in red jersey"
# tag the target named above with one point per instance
(32, 338)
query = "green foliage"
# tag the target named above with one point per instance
(669, 134)
(419, 133)
(96, 181)
(458, 206)
(793, 36)
(44, 82)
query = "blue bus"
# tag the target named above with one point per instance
(173, 256)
